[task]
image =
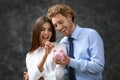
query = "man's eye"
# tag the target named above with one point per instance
(61, 22)
(55, 25)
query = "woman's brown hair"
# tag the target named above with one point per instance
(37, 30)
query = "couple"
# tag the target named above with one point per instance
(87, 62)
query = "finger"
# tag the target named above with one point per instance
(58, 61)
(50, 44)
(24, 72)
(47, 43)
(46, 46)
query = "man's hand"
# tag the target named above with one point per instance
(64, 62)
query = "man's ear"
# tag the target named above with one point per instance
(69, 17)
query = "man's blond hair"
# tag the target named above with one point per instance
(62, 9)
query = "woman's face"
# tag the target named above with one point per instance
(46, 33)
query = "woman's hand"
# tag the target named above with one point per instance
(48, 47)
(42, 78)
(25, 75)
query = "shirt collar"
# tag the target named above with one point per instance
(74, 35)
(76, 32)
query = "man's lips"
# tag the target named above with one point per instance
(63, 30)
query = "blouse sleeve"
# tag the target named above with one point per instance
(52, 69)
(59, 72)
(33, 71)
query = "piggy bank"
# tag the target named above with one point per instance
(59, 55)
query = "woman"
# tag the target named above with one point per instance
(39, 60)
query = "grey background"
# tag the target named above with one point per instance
(17, 18)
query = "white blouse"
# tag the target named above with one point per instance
(33, 59)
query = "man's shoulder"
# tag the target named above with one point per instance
(87, 30)
(63, 40)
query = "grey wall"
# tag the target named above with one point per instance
(17, 19)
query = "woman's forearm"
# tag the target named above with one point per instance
(41, 64)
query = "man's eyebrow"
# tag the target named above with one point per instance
(58, 22)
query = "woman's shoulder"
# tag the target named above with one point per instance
(29, 55)
(33, 53)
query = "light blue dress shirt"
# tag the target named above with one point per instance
(88, 54)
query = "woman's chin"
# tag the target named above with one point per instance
(44, 41)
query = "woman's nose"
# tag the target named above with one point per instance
(46, 31)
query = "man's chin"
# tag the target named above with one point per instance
(65, 34)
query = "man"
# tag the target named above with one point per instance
(87, 60)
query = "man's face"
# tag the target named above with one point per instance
(63, 24)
